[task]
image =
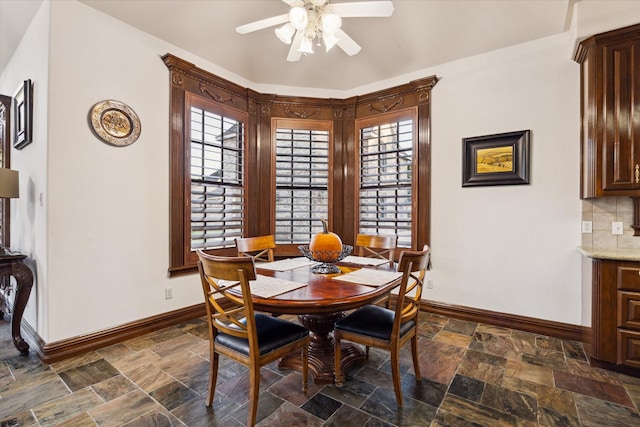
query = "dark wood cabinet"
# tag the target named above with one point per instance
(610, 107)
(610, 104)
(615, 324)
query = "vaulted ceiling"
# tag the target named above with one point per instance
(420, 34)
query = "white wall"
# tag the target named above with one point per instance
(29, 217)
(508, 249)
(109, 206)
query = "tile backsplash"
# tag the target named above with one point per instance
(602, 211)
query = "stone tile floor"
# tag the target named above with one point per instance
(472, 375)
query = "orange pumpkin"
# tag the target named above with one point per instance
(325, 246)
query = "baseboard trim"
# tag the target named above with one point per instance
(59, 350)
(559, 330)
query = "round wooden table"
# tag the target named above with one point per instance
(319, 305)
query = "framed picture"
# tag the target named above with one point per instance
(22, 116)
(500, 159)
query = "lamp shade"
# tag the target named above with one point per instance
(306, 45)
(299, 18)
(330, 23)
(9, 183)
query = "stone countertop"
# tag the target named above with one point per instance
(615, 254)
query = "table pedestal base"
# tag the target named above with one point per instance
(321, 349)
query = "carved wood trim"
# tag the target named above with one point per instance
(385, 108)
(186, 79)
(216, 97)
(302, 115)
(176, 79)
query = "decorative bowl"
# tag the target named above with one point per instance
(326, 267)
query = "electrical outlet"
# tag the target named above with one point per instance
(429, 283)
(168, 293)
(587, 227)
(617, 228)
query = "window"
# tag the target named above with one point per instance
(217, 179)
(244, 163)
(301, 179)
(386, 172)
(208, 192)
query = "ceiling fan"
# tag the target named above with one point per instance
(316, 20)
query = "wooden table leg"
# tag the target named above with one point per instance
(321, 354)
(14, 266)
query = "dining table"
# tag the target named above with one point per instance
(289, 286)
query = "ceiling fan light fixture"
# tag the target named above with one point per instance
(306, 45)
(285, 33)
(330, 23)
(312, 21)
(299, 18)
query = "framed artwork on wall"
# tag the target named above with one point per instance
(500, 159)
(23, 116)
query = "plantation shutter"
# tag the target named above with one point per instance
(217, 179)
(385, 188)
(301, 180)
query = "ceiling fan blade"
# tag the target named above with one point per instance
(261, 24)
(294, 3)
(364, 9)
(294, 55)
(347, 44)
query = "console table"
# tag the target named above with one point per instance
(12, 264)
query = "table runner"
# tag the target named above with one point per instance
(361, 260)
(370, 277)
(263, 286)
(266, 287)
(286, 264)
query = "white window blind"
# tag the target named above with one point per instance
(302, 176)
(217, 180)
(385, 190)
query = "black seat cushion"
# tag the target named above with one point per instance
(373, 321)
(272, 333)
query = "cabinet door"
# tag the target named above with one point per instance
(629, 348)
(621, 115)
(629, 310)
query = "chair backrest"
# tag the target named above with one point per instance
(413, 265)
(375, 246)
(227, 312)
(260, 247)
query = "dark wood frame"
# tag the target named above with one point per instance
(519, 140)
(388, 117)
(299, 123)
(23, 116)
(185, 78)
(5, 146)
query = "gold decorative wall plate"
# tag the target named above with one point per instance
(115, 123)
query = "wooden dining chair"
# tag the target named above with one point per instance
(376, 326)
(259, 247)
(376, 246)
(235, 331)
